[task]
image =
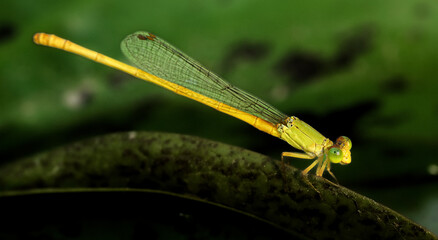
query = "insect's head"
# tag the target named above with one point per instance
(340, 151)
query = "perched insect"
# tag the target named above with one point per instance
(168, 67)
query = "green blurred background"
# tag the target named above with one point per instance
(364, 69)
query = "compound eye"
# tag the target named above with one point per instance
(335, 155)
(347, 158)
(344, 142)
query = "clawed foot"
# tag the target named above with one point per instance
(305, 177)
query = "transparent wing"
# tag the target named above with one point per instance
(154, 55)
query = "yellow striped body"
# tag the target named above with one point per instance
(57, 42)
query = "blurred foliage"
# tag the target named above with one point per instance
(364, 69)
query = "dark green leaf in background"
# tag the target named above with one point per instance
(364, 69)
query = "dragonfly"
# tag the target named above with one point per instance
(161, 63)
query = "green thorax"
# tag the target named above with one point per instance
(303, 137)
